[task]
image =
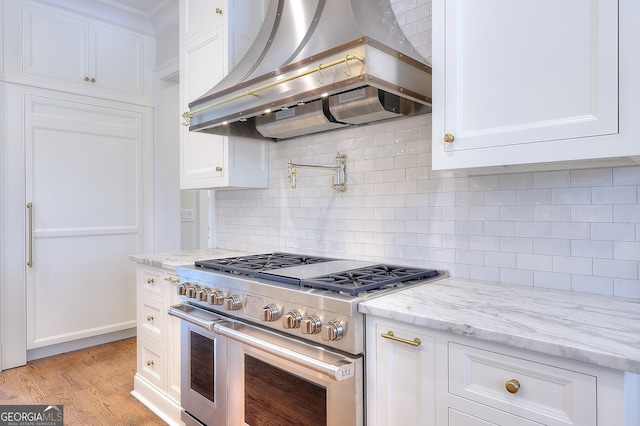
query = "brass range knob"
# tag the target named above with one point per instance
(512, 386)
(311, 324)
(270, 313)
(449, 137)
(215, 297)
(292, 319)
(233, 303)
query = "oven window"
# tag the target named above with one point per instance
(275, 397)
(202, 365)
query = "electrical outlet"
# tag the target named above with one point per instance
(186, 215)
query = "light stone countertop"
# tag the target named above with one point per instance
(595, 329)
(186, 257)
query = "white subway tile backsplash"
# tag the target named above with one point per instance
(576, 230)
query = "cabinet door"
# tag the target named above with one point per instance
(117, 60)
(510, 74)
(54, 45)
(197, 16)
(202, 65)
(400, 376)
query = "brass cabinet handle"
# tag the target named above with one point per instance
(218, 169)
(93, 80)
(30, 259)
(172, 279)
(218, 11)
(449, 137)
(149, 363)
(149, 317)
(512, 386)
(86, 78)
(389, 335)
(150, 280)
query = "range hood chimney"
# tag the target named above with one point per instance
(317, 65)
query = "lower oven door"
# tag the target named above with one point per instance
(279, 381)
(203, 370)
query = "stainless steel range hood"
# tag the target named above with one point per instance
(317, 65)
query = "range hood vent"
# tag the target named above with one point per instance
(317, 65)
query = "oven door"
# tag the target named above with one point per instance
(279, 381)
(203, 371)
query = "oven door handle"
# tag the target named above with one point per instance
(336, 366)
(194, 315)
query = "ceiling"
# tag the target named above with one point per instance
(146, 8)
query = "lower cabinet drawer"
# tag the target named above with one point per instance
(151, 362)
(459, 418)
(151, 317)
(531, 390)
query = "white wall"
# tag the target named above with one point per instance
(576, 230)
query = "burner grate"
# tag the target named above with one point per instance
(360, 280)
(251, 265)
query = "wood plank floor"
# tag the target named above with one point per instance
(93, 384)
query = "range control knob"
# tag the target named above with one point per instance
(203, 294)
(233, 303)
(193, 291)
(216, 298)
(292, 319)
(311, 324)
(333, 330)
(181, 289)
(269, 313)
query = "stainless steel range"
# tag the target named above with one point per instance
(277, 338)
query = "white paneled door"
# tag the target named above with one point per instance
(83, 164)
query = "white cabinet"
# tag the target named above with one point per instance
(157, 381)
(534, 83)
(213, 37)
(51, 47)
(454, 380)
(400, 375)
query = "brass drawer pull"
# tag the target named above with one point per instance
(512, 386)
(172, 279)
(150, 280)
(391, 336)
(150, 363)
(150, 318)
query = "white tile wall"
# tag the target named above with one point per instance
(574, 230)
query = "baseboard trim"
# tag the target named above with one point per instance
(74, 345)
(157, 401)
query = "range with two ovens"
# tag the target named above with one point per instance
(277, 339)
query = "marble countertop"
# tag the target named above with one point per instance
(186, 257)
(595, 329)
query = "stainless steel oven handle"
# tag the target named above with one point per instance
(196, 316)
(340, 368)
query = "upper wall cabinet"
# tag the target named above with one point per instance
(539, 82)
(53, 48)
(214, 35)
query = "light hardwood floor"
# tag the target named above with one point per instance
(93, 384)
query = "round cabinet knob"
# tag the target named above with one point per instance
(291, 319)
(269, 313)
(149, 363)
(311, 324)
(233, 303)
(93, 80)
(449, 137)
(218, 169)
(192, 291)
(203, 294)
(218, 11)
(149, 318)
(216, 298)
(333, 330)
(86, 78)
(512, 386)
(150, 281)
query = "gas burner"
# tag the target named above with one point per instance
(356, 281)
(253, 264)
